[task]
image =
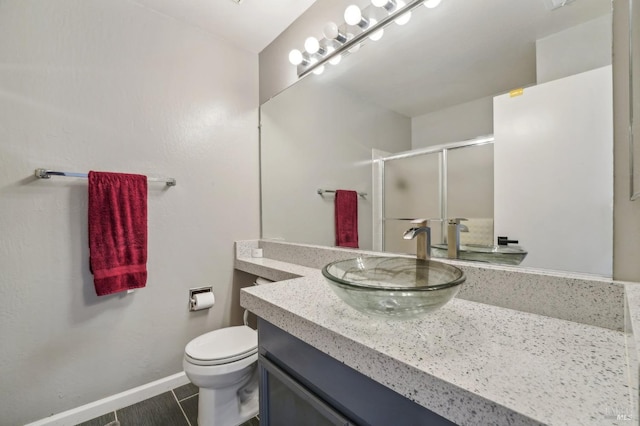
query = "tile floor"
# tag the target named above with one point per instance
(178, 407)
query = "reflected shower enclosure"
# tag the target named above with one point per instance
(439, 182)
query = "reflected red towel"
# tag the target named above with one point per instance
(346, 204)
(117, 231)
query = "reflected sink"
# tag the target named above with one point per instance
(393, 287)
(504, 255)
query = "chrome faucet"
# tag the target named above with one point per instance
(454, 228)
(422, 233)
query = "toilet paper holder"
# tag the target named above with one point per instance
(193, 292)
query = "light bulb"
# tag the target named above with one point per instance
(311, 45)
(432, 3)
(378, 34)
(404, 18)
(295, 57)
(336, 59)
(330, 30)
(352, 15)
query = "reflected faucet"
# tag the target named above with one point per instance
(454, 228)
(422, 233)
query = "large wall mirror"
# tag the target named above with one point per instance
(634, 92)
(425, 123)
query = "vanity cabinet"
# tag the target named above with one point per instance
(300, 385)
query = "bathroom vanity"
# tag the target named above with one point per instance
(302, 385)
(515, 347)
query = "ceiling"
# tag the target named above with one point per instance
(251, 25)
(460, 51)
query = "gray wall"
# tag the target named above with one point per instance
(626, 213)
(454, 124)
(110, 85)
(311, 138)
(581, 48)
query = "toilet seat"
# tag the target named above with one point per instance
(222, 346)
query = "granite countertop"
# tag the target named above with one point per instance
(472, 363)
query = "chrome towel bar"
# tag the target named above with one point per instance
(323, 191)
(46, 174)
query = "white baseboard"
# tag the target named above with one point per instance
(113, 402)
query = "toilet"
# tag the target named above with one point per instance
(224, 365)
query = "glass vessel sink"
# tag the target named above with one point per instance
(504, 255)
(393, 287)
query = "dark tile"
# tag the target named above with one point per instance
(161, 410)
(100, 421)
(190, 408)
(251, 422)
(185, 391)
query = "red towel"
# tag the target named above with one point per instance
(117, 231)
(346, 204)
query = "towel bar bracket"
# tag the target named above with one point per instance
(42, 174)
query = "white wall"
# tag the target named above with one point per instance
(556, 169)
(109, 85)
(317, 135)
(581, 48)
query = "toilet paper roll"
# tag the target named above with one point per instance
(202, 301)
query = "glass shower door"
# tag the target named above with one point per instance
(411, 190)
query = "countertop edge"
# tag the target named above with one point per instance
(431, 388)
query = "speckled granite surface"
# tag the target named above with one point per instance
(273, 270)
(473, 363)
(632, 333)
(574, 297)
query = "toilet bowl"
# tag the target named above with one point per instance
(223, 364)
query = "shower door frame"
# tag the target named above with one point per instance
(378, 172)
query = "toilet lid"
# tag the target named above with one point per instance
(222, 346)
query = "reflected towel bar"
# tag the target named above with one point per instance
(322, 191)
(46, 174)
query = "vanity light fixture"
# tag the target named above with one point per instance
(404, 18)
(312, 46)
(377, 35)
(353, 16)
(317, 69)
(336, 59)
(359, 25)
(556, 4)
(332, 32)
(389, 5)
(296, 57)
